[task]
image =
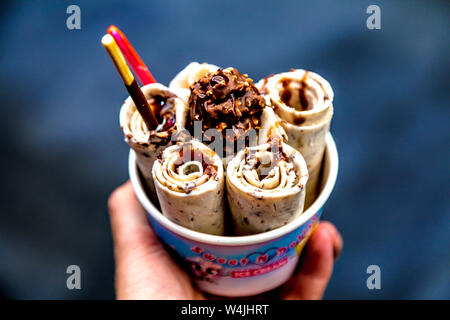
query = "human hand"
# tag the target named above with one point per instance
(145, 270)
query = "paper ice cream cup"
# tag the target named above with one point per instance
(237, 266)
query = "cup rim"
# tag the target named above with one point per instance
(330, 153)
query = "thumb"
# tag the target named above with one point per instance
(144, 269)
(315, 272)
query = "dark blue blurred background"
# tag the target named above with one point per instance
(63, 151)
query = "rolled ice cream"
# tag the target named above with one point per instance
(189, 181)
(266, 187)
(171, 113)
(303, 103)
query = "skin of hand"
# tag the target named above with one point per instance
(145, 269)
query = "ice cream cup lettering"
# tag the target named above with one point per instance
(236, 266)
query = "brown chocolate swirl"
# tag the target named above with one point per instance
(226, 99)
(163, 106)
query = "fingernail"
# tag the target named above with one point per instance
(336, 253)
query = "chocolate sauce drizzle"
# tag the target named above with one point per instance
(164, 110)
(286, 93)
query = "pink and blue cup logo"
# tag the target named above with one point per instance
(207, 264)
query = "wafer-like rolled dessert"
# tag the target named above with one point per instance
(270, 128)
(266, 187)
(302, 101)
(170, 111)
(183, 81)
(189, 181)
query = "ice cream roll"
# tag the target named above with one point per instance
(266, 187)
(270, 127)
(188, 76)
(170, 111)
(303, 103)
(189, 180)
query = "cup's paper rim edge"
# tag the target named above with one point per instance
(330, 152)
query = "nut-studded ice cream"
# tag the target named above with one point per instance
(229, 102)
(183, 81)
